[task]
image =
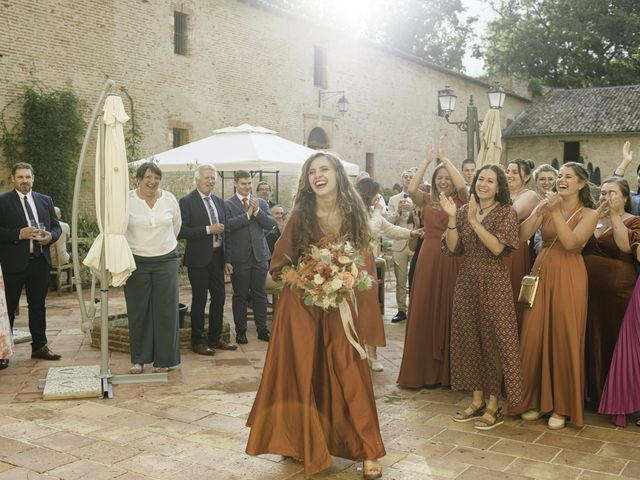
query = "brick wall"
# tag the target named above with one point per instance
(244, 64)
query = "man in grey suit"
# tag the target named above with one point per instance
(247, 219)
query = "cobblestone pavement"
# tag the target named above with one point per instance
(193, 426)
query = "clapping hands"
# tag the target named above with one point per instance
(448, 205)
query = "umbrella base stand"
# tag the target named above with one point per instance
(65, 383)
(108, 382)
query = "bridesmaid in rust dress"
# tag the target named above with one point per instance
(523, 202)
(484, 333)
(553, 330)
(425, 359)
(316, 398)
(612, 276)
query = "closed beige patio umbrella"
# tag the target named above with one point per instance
(490, 139)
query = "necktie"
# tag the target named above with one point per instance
(245, 204)
(36, 249)
(212, 214)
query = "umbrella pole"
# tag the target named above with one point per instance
(87, 318)
(105, 374)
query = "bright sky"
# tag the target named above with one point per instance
(481, 9)
(354, 13)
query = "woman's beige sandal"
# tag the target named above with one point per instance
(490, 419)
(371, 469)
(472, 412)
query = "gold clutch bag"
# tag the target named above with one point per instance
(528, 289)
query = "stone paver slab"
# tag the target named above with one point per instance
(542, 471)
(63, 441)
(525, 450)
(590, 462)
(477, 473)
(480, 458)
(573, 443)
(20, 473)
(86, 470)
(39, 459)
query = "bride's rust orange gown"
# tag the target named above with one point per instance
(316, 398)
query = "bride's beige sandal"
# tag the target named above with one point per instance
(371, 469)
(472, 412)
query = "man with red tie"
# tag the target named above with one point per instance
(28, 225)
(248, 217)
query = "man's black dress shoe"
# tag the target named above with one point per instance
(45, 354)
(241, 338)
(220, 345)
(400, 316)
(264, 335)
(4, 363)
(202, 349)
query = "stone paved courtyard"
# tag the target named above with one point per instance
(193, 426)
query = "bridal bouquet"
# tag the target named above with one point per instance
(328, 275)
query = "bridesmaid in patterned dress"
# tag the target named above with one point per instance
(484, 333)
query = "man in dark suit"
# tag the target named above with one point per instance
(206, 258)
(247, 219)
(263, 190)
(28, 225)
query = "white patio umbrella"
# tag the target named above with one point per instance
(240, 148)
(113, 196)
(490, 139)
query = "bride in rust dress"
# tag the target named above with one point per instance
(612, 276)
(425, 358)
(316, 398)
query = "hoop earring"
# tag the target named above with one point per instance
(309, 191)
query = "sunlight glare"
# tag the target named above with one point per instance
(354, 15)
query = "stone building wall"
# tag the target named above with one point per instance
(244, 65)
(601, 151)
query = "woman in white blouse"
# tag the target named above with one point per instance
(151, 292)
(369, 190)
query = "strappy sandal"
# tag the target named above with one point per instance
(371, 469)
(490, 419)
(472, 412)
(638, 422)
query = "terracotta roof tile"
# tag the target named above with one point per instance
(597, 110)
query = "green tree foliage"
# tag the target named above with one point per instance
(565, 43)
(48, 135)
(435, 30)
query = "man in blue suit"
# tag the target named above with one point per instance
(24, 253)
(248, 217)
(206, 258)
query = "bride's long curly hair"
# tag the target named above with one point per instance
(355, 221)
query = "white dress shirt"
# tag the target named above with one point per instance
(153, 232)
(248, 197)
(32, 204)
(217, 242)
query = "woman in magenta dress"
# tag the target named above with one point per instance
(425, 359)
(621, 393)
